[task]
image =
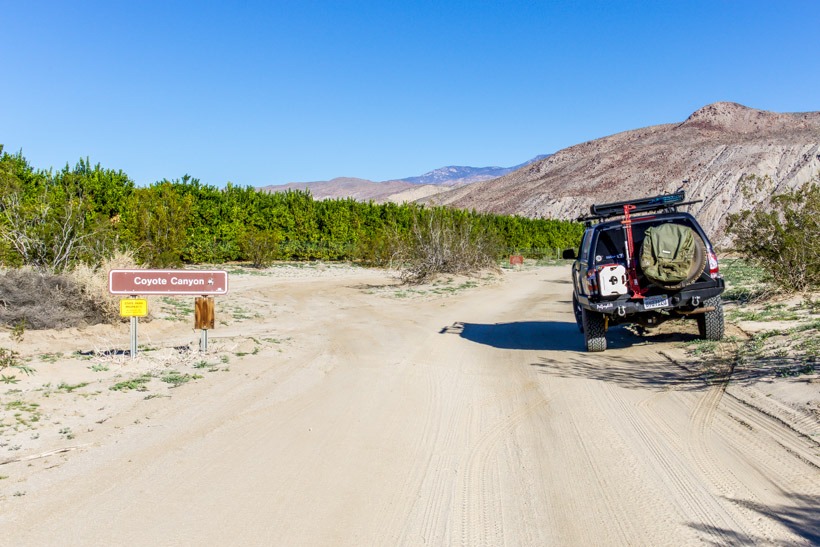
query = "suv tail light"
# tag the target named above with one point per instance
(592, 281)
(714, 269)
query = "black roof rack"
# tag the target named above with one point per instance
(656, 203)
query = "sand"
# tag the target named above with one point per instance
(335, 407)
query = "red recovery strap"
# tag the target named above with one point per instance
(637, 292)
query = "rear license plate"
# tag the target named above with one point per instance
(651, 302)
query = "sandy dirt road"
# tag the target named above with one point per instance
(467, 419)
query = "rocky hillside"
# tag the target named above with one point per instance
(349, 187)
(715, 149)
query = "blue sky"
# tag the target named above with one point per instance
(261, 93)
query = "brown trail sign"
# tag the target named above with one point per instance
(196, 282)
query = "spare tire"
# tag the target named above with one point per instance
(672, 256)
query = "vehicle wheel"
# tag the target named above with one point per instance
(577, 310)
(594, 330)
(710, 324)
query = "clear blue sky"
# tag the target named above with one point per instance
(261, 93)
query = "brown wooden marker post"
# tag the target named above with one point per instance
(204, 319)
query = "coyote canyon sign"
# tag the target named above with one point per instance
(196, 282)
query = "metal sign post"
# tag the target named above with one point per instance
(134, 338)
(134, 308)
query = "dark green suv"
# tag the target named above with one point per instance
(645, 262)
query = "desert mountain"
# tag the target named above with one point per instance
(400, 190)
(348, 187)
(460, 175)
(716, 148)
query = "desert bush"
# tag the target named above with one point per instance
(45, 301)
(52, 221)
(782, 238)
(47, 232)
(156, 220)
(93, 284)
(261, 247)
(375, 251)
(441, 243)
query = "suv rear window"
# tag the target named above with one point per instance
(611, 244)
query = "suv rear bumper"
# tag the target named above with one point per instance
(687, 299)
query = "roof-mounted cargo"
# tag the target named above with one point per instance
(665, 202)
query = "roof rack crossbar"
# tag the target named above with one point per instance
(654, 203)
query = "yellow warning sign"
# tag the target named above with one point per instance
(133, 307)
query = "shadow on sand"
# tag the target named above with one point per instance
(799, 516)
(650, 370)
(549, 336)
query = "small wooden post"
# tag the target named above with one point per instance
(204, 319)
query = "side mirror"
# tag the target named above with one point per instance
(569, 254)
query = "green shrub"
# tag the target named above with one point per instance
(10, 359)
(157, 220)
(52, 221)
(783, 239)
(85, 214)
(261, 247)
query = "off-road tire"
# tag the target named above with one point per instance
(594, 330)
(710, 323)
(696, 267)
(578, 312)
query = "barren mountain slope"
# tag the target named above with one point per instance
(714, 148)
(347, 187)
(415, 193)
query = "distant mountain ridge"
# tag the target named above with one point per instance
(457, 175)
(401, 190)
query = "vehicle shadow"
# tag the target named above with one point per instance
(520, 335)
(800, 517)
(649, 370)
(548, 335)
(644, 370)
(654, 373)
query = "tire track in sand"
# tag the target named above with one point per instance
(479, 522)
(693, 501)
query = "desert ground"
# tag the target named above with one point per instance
(336, 407)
